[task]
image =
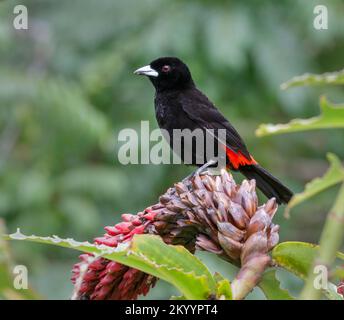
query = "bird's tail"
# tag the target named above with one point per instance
(267, 183)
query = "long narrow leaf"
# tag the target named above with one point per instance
(333, 176)
(331, 116)
(150, 254)
(310, 79)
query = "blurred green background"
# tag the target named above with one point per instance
(67, 88)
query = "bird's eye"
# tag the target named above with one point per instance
(166, 69)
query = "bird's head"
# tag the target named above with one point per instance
(167, 73)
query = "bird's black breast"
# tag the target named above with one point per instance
(170, 114)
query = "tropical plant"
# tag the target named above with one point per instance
(67, 89)
(332, 116)
(216, 215)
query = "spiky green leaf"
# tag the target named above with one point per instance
(298, 257)
(149, 254)
(333, 176)
(271, 287)
(331, 116)
(309, 79)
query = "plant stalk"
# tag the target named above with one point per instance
(330, 242)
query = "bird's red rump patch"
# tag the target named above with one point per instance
(237, 159)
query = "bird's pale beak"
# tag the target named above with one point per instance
(147, 71)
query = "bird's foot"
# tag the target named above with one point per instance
(204, 170)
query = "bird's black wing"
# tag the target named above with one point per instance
(201, 110)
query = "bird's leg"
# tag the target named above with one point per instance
(201, 170)
(204, 168)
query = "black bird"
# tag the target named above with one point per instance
(180, 105)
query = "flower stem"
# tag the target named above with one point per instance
(330, 241)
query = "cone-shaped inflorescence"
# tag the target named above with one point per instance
(210, 213)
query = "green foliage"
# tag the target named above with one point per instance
(298, 257)
(331, 240)
(223, 287)
(271, 287)
(67, 88)
(179, 267)
(309, 79)
(338, 273)
(332, 116)
(7, 290)
(150, 254)
(333, 232)
(333, 176)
